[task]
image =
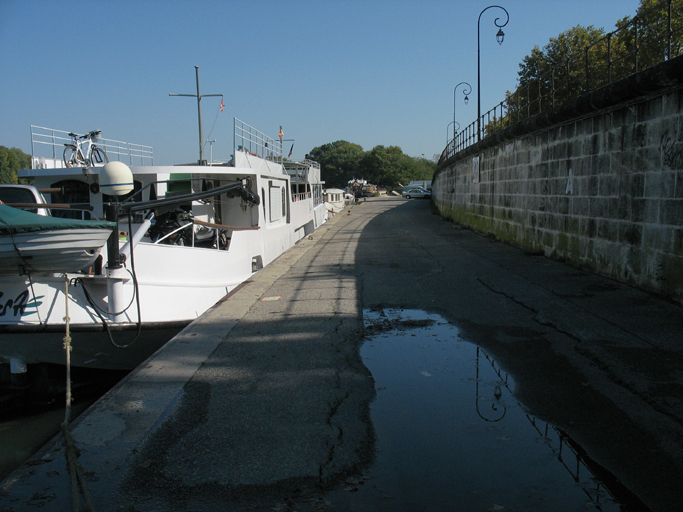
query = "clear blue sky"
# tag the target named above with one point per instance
(366, 71)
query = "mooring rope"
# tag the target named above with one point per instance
(76, 473)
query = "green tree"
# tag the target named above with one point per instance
(555, 73)
(583, 59)
(390, 167)
(11, 160)
(339, 162)
(649, 27)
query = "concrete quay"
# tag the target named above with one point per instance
(264, 399)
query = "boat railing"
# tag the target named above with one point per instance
(47, 149)
(248, 139)
(300, 169)
(301, 196)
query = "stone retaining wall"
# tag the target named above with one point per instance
(598, 183)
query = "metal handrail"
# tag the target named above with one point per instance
(581, 74)
(252, 141)
(55, 140)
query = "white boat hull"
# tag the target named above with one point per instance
(50, 251)
(176, 285)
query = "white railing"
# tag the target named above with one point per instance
(252, 141)
(47, 149)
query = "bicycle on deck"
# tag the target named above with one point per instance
(83, 152)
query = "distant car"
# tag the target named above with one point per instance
(417, 192)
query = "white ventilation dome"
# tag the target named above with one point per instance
(116, 179)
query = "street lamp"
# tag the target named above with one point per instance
(466, 91)
(499, 38)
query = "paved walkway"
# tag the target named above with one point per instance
(266, 395)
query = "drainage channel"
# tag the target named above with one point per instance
(452, 437)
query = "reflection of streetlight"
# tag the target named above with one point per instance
(466, 91)
(497, 413)
(499, 37)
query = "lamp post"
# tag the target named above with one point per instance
(499, 38)
(466, 91)
(448, 136)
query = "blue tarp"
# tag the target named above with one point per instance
(13, 220)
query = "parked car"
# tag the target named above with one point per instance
(417, 192)
(26, 194)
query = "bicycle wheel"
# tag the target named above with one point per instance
(98, 156)
(70, 156)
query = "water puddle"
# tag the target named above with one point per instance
(452, 437)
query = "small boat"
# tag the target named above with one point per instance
(335, 199)
(32, 243)
(187, 236)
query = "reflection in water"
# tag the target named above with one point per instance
(597, 483)
(498, 408)
(434, 452)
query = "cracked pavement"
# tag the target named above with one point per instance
(263, 403)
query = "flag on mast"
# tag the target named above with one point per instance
(280, 134)
(222, 104)
(290, 150)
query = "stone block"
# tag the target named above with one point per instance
(580, 206)
(651, 211)
(677, 241)
(608, 229)
(608, 185)
(587, 227)
(630, 233)
(656, 238)
(678, 194)
(672, 212)
(623, 116)
(660, 184)
(624, 207)
(639, 136)
(633, 185)
(672, 104)
(671, 148)
(648, 160)
(601, 163)
(651, 109)
(599, 207)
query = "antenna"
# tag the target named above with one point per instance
(199, 97)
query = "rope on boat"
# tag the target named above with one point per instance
(76, 473)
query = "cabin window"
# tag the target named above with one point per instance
(73, 191)
(275, 197)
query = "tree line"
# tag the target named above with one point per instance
(11, 160)
(342, 161)
(583, 59)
